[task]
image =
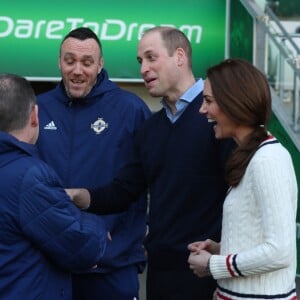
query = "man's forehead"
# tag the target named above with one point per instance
(151, 42)
(72, 46)
(151, 36)
(74, 43)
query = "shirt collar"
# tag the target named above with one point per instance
(182, 103)
(189, 95)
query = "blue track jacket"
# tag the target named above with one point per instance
(86, 142)
(43, 235)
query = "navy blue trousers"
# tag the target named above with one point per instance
(122, 284)
(178, 285)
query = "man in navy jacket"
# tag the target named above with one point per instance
(179, 160)
(87, 124)
(44, 236)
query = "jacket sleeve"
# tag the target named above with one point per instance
(117, 196)
(72, 239)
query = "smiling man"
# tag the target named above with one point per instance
(87, 124)
(179, 161)
(80, 62)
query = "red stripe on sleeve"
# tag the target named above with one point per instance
(229, 266)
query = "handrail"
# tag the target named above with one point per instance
(285, 34)
(268, 23)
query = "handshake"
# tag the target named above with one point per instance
(80, 196)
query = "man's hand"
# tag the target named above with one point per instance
(199, 263)
(208, 245)
(81, 197)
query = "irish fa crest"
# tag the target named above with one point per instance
(99, 125)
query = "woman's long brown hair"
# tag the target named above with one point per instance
(243, 94)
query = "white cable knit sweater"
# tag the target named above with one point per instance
(258, 247)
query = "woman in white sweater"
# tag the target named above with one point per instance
(256, 258)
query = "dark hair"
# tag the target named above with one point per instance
(173, 39)
(83, 33)
(16, 101)
(243, 94)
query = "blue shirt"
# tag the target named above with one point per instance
(184, 100)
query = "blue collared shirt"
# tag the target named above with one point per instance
(184, 101)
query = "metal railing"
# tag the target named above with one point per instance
(279, 59)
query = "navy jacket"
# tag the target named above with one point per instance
(182, 164)
(43, 235)
(87, 142)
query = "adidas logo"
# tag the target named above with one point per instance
(50, 126)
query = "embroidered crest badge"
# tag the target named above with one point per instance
(99, 125)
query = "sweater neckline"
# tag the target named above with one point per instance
(269, 140)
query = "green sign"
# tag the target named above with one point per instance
(31, 32)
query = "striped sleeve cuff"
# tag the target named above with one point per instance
(224, 266)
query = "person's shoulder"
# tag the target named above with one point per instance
(130, 99)
(38, 172)
(48, 95)
(271, 147)
(151, 122)
(131, 96)
(272, 152)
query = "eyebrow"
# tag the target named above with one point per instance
(207, 95)
(88, 56)
(147, 52)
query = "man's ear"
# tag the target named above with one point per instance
(34, 119)
(181, 57)
(100, 65)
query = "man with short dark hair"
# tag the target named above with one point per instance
(44, 236)
(179, 161)
(86, 135)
